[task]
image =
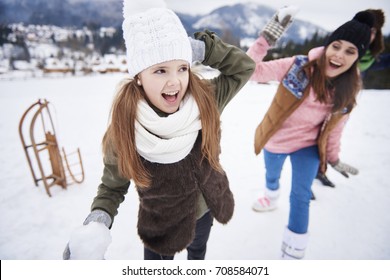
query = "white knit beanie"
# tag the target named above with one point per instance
(153, 34)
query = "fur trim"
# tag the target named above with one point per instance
(167, 212)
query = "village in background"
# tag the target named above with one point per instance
(69, 37)
(75, 38)
(42, 50)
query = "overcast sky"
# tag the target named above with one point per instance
(328, 14)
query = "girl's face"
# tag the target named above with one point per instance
(165, 84)
(340, 55)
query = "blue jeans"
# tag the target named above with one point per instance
(305, 163)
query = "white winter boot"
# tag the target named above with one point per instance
(294, 245)
(268, 202)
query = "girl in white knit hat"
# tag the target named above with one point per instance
(164, 135)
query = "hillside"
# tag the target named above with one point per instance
(242, 20)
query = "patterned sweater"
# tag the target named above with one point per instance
(302, 128)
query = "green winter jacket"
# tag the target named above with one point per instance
(235, 70)
(366, 61)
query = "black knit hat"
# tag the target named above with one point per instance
(356, 31)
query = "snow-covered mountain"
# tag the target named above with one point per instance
(241, 20)
(62, 12)
(246, 20)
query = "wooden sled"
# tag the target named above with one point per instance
(44, 146)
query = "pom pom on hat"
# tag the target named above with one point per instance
(365, 17)
(356, 31)
(153, 34)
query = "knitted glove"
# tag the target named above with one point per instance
(94, 234)
(325, 180)
(198, 49)
(344, 168)
(278, 24)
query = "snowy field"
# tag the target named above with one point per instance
(349, 222)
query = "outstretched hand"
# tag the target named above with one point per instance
(286, 15)
(91, 240)
(278, 24)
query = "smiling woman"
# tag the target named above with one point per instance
(305, 121)
(341, 55)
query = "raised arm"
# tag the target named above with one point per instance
(235, 66)
(276, 69)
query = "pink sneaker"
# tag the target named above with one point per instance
(264, 204)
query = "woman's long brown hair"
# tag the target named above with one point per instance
(119, 141)
(377, 46)
(340, 91)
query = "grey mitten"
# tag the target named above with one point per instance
(99, 216)
(96, 216)
(198, 49)
(344, 168)
(278, 24)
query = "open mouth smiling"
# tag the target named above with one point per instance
(170, 96)
(334, 64)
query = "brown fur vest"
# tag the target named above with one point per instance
(167, 212)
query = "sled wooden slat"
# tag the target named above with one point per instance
(48, 145)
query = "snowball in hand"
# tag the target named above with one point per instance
(287, 11)
(89, 242)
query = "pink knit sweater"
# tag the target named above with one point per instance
(302, 127)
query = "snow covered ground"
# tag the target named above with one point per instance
(349, 222)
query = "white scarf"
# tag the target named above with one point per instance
(169, 139)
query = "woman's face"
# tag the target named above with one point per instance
(165, 84)
(340, 55)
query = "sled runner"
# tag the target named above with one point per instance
(46, 155)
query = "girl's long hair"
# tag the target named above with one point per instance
(340, 91)
(377, 46)
(119, 141)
